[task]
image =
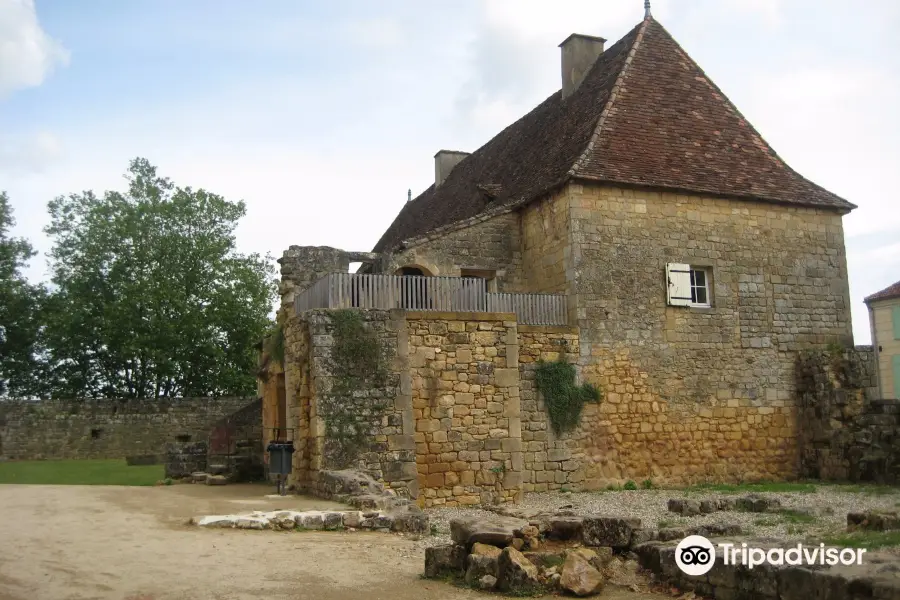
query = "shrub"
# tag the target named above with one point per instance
(564, 400)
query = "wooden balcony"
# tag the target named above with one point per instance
(418, 293)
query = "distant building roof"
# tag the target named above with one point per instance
(645, 115)
(891, 291)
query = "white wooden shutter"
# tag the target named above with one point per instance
(678, 277)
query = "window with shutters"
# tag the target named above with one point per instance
(688, 285)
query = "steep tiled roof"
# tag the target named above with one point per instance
(891, 291)
(644, 115)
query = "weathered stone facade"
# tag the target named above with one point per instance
(700, 392)
(54, 429)
(389, 451)
(550, 462)
(689, 393)
(452, 431)
(466, 406)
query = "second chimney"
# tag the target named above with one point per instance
(579, 53)
(444, 161)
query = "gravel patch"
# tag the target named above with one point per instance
(827, 506)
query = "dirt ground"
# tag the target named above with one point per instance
(133, 543)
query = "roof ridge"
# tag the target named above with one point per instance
(730, 106)
(614, 93)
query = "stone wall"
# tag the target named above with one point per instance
(696, 393)
(298, 393)
(550, 463)
(848, 433)
(388, 454)
(492, 245)
(465, 399)
(107, 428)
(546, 246)
(302, 266)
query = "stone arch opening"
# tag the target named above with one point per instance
(411, 270)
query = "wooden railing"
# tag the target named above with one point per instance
(531, 309)
(414, 292)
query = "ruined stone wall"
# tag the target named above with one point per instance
(388, 453)
(848, 432)
(298, 392)
(550, 462)
(302, 266)
(491, 245)
(61, 429)
(466, 407)
(694, 393)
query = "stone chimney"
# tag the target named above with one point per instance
(444, 161)
(579, 53)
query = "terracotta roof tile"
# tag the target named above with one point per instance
(645, 115)
(891, 291)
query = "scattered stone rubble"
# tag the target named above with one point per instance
(378, 509)
(409, 520)
(873, 521)
(214, 475)
(750, 503)
(517, 552)
(520, 552)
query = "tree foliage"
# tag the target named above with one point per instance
(20, 313)
(152, 299)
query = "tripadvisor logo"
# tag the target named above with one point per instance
(695, 555)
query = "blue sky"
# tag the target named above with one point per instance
(320, 115)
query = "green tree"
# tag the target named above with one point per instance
(152, 298)
(20, 313)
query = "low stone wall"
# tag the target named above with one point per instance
(848, 433)
(61, 429)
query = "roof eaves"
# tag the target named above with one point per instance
(888, 293)
(718, 194)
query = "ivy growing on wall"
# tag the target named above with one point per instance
(356, 401)
(274, 344)
(564, 400)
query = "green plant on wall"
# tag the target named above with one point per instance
(274, 345)
(564, 400)
(356, 402)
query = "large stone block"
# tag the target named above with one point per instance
(494, 530)
(614, 532)
(448, 559)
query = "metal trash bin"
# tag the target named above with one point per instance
(280, 457)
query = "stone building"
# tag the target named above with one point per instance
(691, 261)
(884, 320)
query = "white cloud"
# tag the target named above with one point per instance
(27, 154)
(27, 53)
(378, 32)
(770, 11)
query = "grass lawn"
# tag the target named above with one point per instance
(79, 472)
(802, 487)
(763, 486)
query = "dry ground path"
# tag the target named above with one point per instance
(132, 543)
